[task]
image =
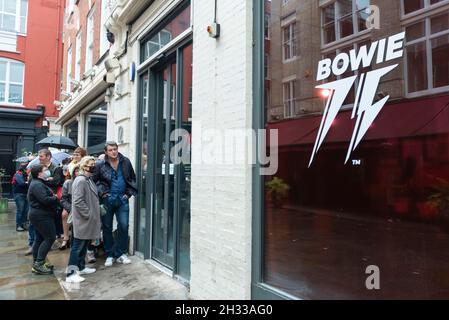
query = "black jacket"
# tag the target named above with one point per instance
(41, 199)
(103, 176)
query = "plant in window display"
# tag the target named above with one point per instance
(439, 199)
(277, 191)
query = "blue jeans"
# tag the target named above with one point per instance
(119, 207)
(31, 235)
(78, 255)
(21, 209)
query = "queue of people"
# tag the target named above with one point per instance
(77, 203)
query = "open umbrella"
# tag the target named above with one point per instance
(23, 160)
(56, 158)
(58, 142)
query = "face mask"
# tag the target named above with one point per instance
(47, 174)
(89, 169)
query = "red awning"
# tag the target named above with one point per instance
(400, 120)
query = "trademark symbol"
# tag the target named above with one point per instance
(356, 162)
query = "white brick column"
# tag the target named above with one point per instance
(221, 203)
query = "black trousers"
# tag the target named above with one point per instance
(45, 236)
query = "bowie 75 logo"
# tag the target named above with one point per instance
(364, 108)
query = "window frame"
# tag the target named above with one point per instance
(90, 37)
(7, 82)
(69, 69)
(337, 19)
(78, 45)
(291, 42)
(427, 39)
(17, 18)
(104, 43)
(292, 84)
(427, 7)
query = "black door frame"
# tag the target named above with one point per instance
(153, 92)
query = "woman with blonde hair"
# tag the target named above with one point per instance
(86, 220)
(77, 155)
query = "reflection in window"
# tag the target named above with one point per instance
(420, 47)
(289, 98)
(386, 206)
(96, 130)
(343, 18)
(72, 131)
(166, 32)
(289, 41)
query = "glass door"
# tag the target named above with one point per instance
(164, 175)
(143, 213)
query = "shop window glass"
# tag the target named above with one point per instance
(166, 32)
(328, 216)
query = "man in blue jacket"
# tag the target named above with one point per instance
(116, 183)
(20, 189)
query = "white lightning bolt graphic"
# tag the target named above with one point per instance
(364, 109)
(366, 112)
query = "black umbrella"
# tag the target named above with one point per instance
(58, 142)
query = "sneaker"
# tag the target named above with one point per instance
(40, 269)
(91, 257)
(20, 229)
(49, 265)
(124, 259)
(87, 270)
(74, 278)
(109, 262)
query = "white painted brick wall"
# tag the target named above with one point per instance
(221, 205)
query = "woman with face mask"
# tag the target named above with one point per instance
(42, 202)
(86, 220)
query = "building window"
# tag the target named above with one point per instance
(267, 26)
(89, 41)
(427, 49)
(289, 41)
(166, 32)
(78, 57)
(410, 6)
(11, 81)
(267, 66)
(13, 15)
(69, 69)
(343, 18)
(104, 43)
(96, 129)
(289, 94)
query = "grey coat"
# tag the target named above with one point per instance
(85, 209)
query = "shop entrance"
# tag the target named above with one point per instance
(164, 223)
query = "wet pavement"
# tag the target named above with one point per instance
(16, 280)
(137, 281)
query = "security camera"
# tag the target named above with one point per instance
(111, 64)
